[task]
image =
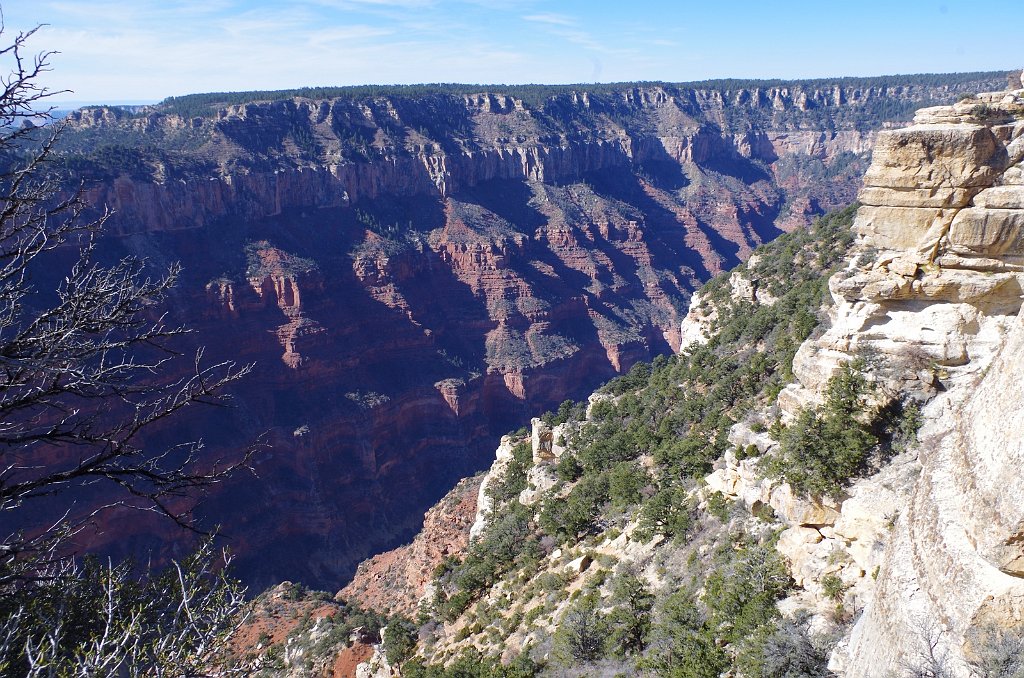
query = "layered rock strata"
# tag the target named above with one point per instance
(932, 300)
(927, 553)
(414, 276)
(186, 169)
(930, 547)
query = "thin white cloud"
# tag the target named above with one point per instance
(146, 65)
(150, 49)
(347, 35)
(370, 5)
(395, 3)
(502, 5)
(262, 25)
(160, 48)
(568, 29)
(119, 13)
(551, 19)
(581, 38)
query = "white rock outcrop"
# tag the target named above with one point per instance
(937, 312)
(698, 324)
(548, 442)
(484, 503)
(955, 564)
(931, 548)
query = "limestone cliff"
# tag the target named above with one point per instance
(178, 165)
(930, 547)
(944, 207)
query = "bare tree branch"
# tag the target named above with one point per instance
(87, 368)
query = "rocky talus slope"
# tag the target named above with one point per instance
(395, 581)
(415, 274)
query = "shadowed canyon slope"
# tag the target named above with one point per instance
(415, 273)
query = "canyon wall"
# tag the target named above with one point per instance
(917, 561)
(414, 276)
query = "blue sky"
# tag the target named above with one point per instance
(126, 50)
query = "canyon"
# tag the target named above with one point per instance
(913, 567)
(414, 276)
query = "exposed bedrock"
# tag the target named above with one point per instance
(414, 277)
(933, 298)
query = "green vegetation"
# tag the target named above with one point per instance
(263, 259)
(826, 447)
(639, 456)
(580, 637)
(508, 348)
(566, 411)
(574, 516)
(692, 633)
(373, 223)
(986, 112)
(508, 543)
(513, 481)
(96, 613)
(678, 410)
(833, 586)
(786, 648)
(399, 640)
(401, 224)
(111, 161)
(539, 96)
(669, 512)
(626, 482)
(472, 665)
(822, 450)
(630, 620)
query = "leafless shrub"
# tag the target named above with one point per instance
(95, 618)
(84, 371)
(998, 651)
(931, 658)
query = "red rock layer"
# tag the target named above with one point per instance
(415, 277)
(396, 580)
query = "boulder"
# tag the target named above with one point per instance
(1010, 197)
(579, 565)
(944, 155)
(796, 544)
(803, 511)
(988, 231)
(902, 228)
